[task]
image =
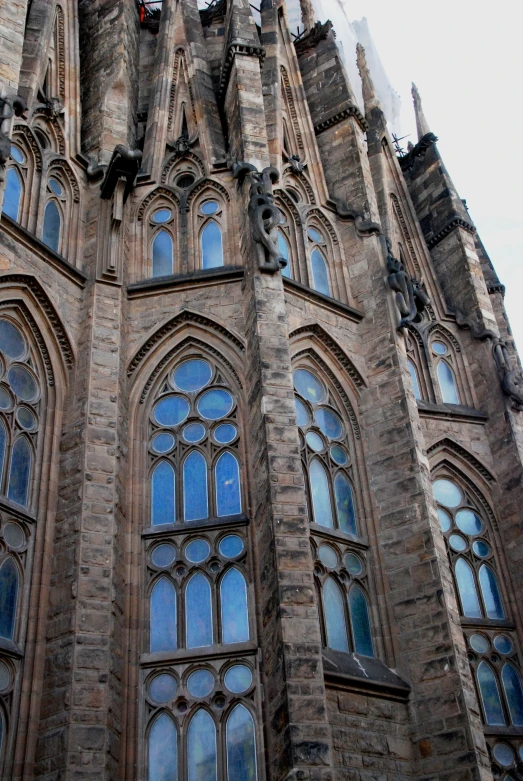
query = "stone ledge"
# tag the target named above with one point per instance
(202, 277)
(334, 535)
(187, 655)
(9, 648)
(183, 527)
(352, 672)
(45, 253)
(455, 412)
(338, 307)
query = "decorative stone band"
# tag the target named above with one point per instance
(455, 222)
(350, 111)
(234, 48)
(496, 288)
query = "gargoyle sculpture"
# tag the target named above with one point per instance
(411, 296)
(263, 214)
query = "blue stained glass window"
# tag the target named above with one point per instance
(302, 413)
(3, 440)
(201, 748)
(329, 423)
(320, 494)
(467, 589)
(197, 550)
(198, 612)
(162, 254)
(8, 597)
(231, 546)
(12, 194)
(163, 555)
(215, 404)
(162, 215)
(241, 745)
(55, 186)
(490, 591)
(163, 442)
(447, 383)
(23, 383)
(414, 377)
(320, 278)
(225, 433)
(212, 246)
(283, 247)
(238, 678)
(227, 474)
(309, 386)
(514, 693)
(194, 432)
(20, 472)
(171, 410)
(163, 750)
(210, 207)
(488, 688)
(314, 441)
(195, 501)
(162, 494)
(163, 688)
(12, 343)
(233, 601)
(200, 683)
(359, 618)
(344, 504)
(192, 375)
(339, 455)
(334, 612)
(17, 154)
(468, 522)
(315, 235)
(52, 226)
(163, 617)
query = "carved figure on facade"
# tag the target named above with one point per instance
(263, 214)
(410, 294)
(9, 107)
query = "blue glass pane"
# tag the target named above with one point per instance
(200, 683)
(3, 440)
(55, 187)
(308, 386)
(195, 502)
(228, 499)
(12, 194)
(468, 522)
(302, 413)
(212, 247)
(215, 404)
(320, 495)
(52, 226)
(201, 748)
(490, 591)
(163, 617)
(238, 678)
(26, 418)
(353, 564)
(162, 254)
(233, 600)
(447, 383)
(23, 383)
(163, 442)
(467, 589)
(8, 597)
(328, 556)
(171, 411)
(225, 433)
(209, 207)
(163, 750)
(20, 472)
(283, 248)
(314, 441)
(447, 493)
(489, 691)
(315, 235)
(162, 494)
(502, 643)
(12, 343)
(444, 520)
(334, 611)
(198, 612)
(241, 745)
(197, 551)
(162, 688)
(359, 618)
(481, 548)
(17, 154)
(457, 542)
(194, 432)
(339, 455)
(6, 401)
(344, 505)
(162, 215)
(320, 279)
(414, 377)
(514, 693)
(329, 423)
(163, 555)
(439, 348)
(231, 546)
(192, 375)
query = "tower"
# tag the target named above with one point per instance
(260, 415)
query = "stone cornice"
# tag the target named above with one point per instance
(234, 48)
(350, 111)
(199, 278)
(455, 222)
(338, 307)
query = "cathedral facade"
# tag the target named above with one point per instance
(261, 416)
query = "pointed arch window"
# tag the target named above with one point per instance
(52, 225)
(318, 253)
(241, 745)
(210, 218)
(9, 585)
(163, 254)
(212, 245)
(12, 194)
(443, 356)
(163, 749)
(414, 378)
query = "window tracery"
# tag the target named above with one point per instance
(210, 218)
(16, 178)
(442, 359)
(317, 247)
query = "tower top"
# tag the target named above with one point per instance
(370, 99)
(421, 123)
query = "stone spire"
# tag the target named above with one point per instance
(421, 123)
(370, 99)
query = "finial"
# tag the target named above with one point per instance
(421, 123)
(370, 99)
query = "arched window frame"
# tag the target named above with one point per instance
(332, 252)
(204, 192)
(147, 229)
(29, 173)
(68, 204)
(416, 355)
(287, 230)
(313, 244)
(155, 229)
(453, 357)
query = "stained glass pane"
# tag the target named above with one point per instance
(3, 440)
(17, 154)
(328, 556)
(353, 564)
(302, 413)
(238, 678)
(162, 254)
(315, 235)
(228, 498)
(8, 597)
(171, 411)
(163, 442)
(162, 494)
(329, 423)
(514, 694)
(55, 187)
(414, 377)
(212, 246)
(200, 683)
(20, 472)
(457, 542)
(12, 343)
(209, 207)
(439, 348)
(503, 644)
(234, 611)
(359, 618)
(314, 441)
(444, 520)
(215, 404)
(162, 688)
(5, 679)
(447, 493)
(163, 555)
(195, 501)
(283, 248)
(6, 401)
(320, 278)
(163, 617)
(23, 383)
(197, 550)
(489, 691)
(334, 610)
(309, 386)
(320, 495)
(481, 548)
(192, 375)
(194, 432)
(12, 194)
(479, 643)
(468, 522)
(225, 433)
(490, 591)
(231, 546)
(14, 535)
(447, 383)
(198, 612)
(26, 418)
(162, 215)
(163, 750)
(345, 504)
(201, 748)
(241, 745)
(52, 226)
(504, 755)
(339, 455)
(467, 589)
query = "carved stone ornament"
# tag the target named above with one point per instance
(296, 164)
(410, 294)
(9, 107)
(182, 144)
(264, 215)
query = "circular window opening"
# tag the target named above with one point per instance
(185, 181)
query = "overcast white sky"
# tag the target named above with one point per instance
(467, 60)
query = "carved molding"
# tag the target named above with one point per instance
(175, 159)
(333, 347)
(42, 113)
(289, 204)
(315, 212)
(451, 446)
(60, 45)
(64, 166)
(405, 231)
(456, 222)
(29, 138)
(496, 287)
(182, 318)
(179, 58)
(446, 332)
(303, 179)
(166, 192)
(235, 48)
(208, 184)
(350, 111)
(287, 89)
